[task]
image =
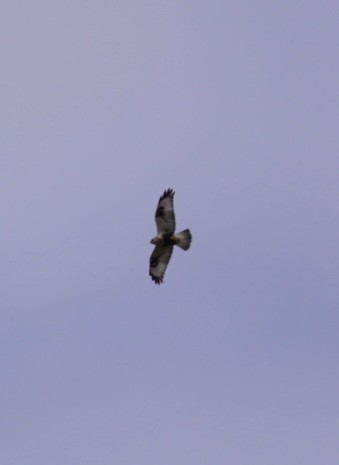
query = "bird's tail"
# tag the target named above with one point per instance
(183, 239)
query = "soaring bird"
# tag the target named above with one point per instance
(166, 238)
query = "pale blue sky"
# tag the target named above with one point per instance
(234, 359)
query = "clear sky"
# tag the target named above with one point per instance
(234, 358)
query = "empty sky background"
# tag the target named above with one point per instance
(234, 358)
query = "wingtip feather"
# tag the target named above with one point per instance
(167, 193)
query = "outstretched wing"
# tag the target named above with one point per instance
(164, 215)
(158, 262)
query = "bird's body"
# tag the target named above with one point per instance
(166, 238)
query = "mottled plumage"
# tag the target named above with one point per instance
(166, 237)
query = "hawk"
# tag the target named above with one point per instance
(166, 238)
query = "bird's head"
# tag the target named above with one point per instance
(156, 240)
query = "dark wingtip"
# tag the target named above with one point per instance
(156, 280)
(167, 193)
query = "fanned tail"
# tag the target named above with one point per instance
(183, 239)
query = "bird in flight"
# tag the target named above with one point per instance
(166, 238)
